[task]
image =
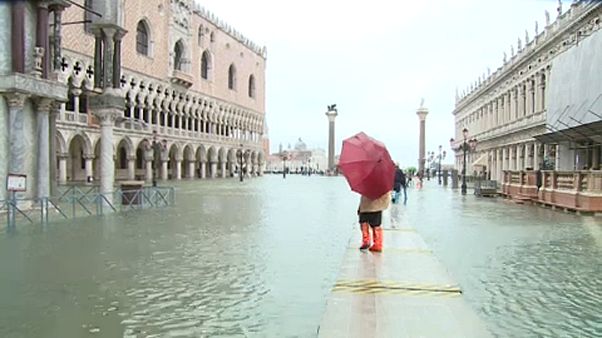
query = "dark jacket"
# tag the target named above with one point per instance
(400, 180)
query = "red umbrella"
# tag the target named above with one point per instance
(367, 166)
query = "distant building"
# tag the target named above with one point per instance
(298, 159)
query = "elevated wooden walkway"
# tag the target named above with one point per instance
(402, 292)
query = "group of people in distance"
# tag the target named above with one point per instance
(370, 212)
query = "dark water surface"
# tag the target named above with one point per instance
(259, 258)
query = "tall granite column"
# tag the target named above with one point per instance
(422, 112)
(331, 114)
(43, 111)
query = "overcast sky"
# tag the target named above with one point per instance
(376, 59)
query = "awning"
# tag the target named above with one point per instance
(591, 132)
(481, 161)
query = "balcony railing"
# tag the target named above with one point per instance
(575, 190)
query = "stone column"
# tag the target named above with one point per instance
(178, 169)
(44, 106)
(213, 169)
(164, 170)
(546, 152)
(522, 100)
(500, 165)
(526, 159)
(53, 151)
(422, 112)
(107, 56)
(88, 166)
(528, 98)
(98, 80)
(63, 168)
(107, 162)
(117, 59)
(149, 169)
(223, 164)
(17, 34)
(16, 130)
(331, 114)
(536, 158)
(190, 169)
(42, 36)
(57, 10)
(131, 168)
(203, 169)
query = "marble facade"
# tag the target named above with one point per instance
(514, 111)
(197, 118)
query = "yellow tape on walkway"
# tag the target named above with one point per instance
(369, 286)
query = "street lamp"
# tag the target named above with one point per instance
(241, 154)
(157, 147)
(429, 159)
(284, 157)
(467, 145)
(441, 156)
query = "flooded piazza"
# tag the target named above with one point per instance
(258, 258)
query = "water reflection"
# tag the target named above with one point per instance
(528, 271)
(231, 259)
(259, 259)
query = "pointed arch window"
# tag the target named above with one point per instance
(142, 38)
(232, 77)
(205, 65)
(252, 86)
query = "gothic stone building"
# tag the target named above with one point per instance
(190, 82)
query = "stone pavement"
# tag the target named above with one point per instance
(402, 292)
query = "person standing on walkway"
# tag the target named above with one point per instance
(370, 217)
(398, 184)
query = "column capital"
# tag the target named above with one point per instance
(16, 100)
(106, 117)
(45, 105)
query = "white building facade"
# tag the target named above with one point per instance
(538, 109)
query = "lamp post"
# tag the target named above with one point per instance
(429, 160)
(441, 156)
(467, 145)
(157, 147)
(241, 153)
(284, 156)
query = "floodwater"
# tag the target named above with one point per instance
(258, 258)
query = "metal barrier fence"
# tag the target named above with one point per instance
(78, 201)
